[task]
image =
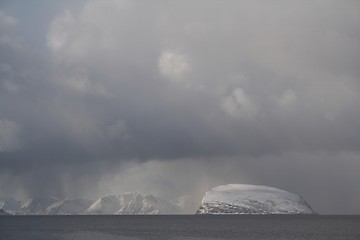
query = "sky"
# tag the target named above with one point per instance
(172, 98)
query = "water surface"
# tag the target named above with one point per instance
(179, 227)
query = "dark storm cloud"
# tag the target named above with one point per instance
(200, 86)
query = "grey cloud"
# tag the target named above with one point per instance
(207, 86)
(9, 135)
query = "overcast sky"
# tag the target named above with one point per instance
(174, 97)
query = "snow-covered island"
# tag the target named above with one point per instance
(252, 199)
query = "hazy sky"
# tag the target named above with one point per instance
(174, 97)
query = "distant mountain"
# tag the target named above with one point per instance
(135, 203)
(252, 199)
(132, 203)
(68, 207)
(10, 205)
(3, 212)
(104, 205)
(37, 205)
(124, 204)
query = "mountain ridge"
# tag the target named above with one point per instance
(129, 203)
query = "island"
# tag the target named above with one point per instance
(252, 199)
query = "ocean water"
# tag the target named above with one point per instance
(179, 227)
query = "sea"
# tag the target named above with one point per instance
(187, 227)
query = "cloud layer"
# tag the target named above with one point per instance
(209, 91)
